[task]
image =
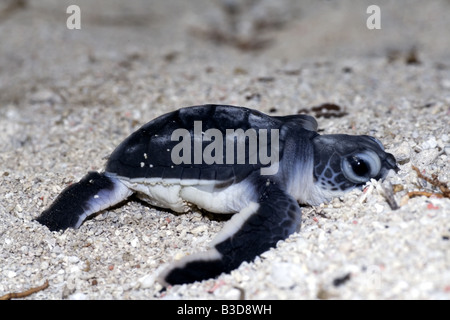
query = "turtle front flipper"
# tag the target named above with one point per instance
(254, 230)
(95, 192)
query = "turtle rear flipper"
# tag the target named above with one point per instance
(95, 192)
(254, 230)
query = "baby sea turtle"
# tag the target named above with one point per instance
(226, 159)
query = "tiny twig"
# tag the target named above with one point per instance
(413, 194)
(389, 195)
(241, 292)
(434, 181)
(15, 295)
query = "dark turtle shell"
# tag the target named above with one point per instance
(147, 152)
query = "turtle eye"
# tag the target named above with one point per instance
(360, 167)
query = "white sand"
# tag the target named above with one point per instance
(67, 98)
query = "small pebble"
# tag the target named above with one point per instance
(431, 143)
(78, 296)
(11, 274)
(285, 275)
(447, 149)
(73, 259)
(402, 152)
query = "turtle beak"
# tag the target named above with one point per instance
(391, 163)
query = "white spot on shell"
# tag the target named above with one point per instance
(145, 155)
(142, 164)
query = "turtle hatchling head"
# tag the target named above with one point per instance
(342, 162)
